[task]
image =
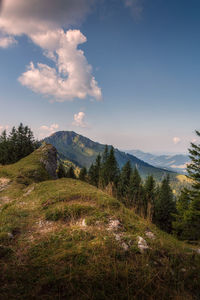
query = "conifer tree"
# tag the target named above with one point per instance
(135, 190)
(4, 149)
(70, 173)
(91, 175)
(187, 223)
(112, 168)
(103, 178)
(17, 145)
(61, 171)
(124, 181)
(165, 207)
(149, 197)
(83, 174)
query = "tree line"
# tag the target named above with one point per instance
(152, 201)
(17, 144)
(156, 202)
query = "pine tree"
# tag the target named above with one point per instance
(103, 178)
(193, 168)
(112, 168)
(70, 173)
(182, 206)
(187, 223)
(83, 174)
(4, 148)
(165, 207)
(17, 145)
(61, 171)
(91, 175)
(124, 181)
(149, 197)
(135, 191)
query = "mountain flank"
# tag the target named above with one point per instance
(83, 152)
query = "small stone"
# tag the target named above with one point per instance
(142, 244)
(114, 225)
(83, 223)
(183, 270)
(150, 235)
(125, 246)
(10, 235)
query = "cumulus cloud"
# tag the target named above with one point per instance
(45, 130)
(33, 16)
(136, 7)
(43, 21)
(7, 41)
(73, 76)
(79, 120)
(176, 140)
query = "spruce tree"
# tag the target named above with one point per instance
(91, 175)
(124, 181)
(135, 191)
(70, 173)
(61, 171)
(187, 223)
(18, 144)
(165, 207)
(83, 174)
(149, 197)
(103, 178)
(4, 149)
(112, 168)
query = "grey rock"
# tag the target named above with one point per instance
(49, 160)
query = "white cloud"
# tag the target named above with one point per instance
(43, 22)
(45, 130)
(176, 140)
(33, 16)
(73, 77)
(7, 41)
(136, 7)
(79, 120)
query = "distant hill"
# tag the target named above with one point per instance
(175, 163)
(83, 151)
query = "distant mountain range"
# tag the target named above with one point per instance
(83, 152)
(175, 163)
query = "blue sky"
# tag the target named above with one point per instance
(145, 60)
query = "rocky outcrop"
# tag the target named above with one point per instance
(49, 159)
(4, 182)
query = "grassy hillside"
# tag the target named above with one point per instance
(83, 152)
(65, 239)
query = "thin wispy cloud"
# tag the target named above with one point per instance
(136, 7)
(2, 127)
(43, 21)
(176, 140)
(7, 41)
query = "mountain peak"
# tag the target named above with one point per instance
(82, 151)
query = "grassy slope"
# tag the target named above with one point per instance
(61, 247)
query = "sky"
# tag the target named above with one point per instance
(121, 72)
